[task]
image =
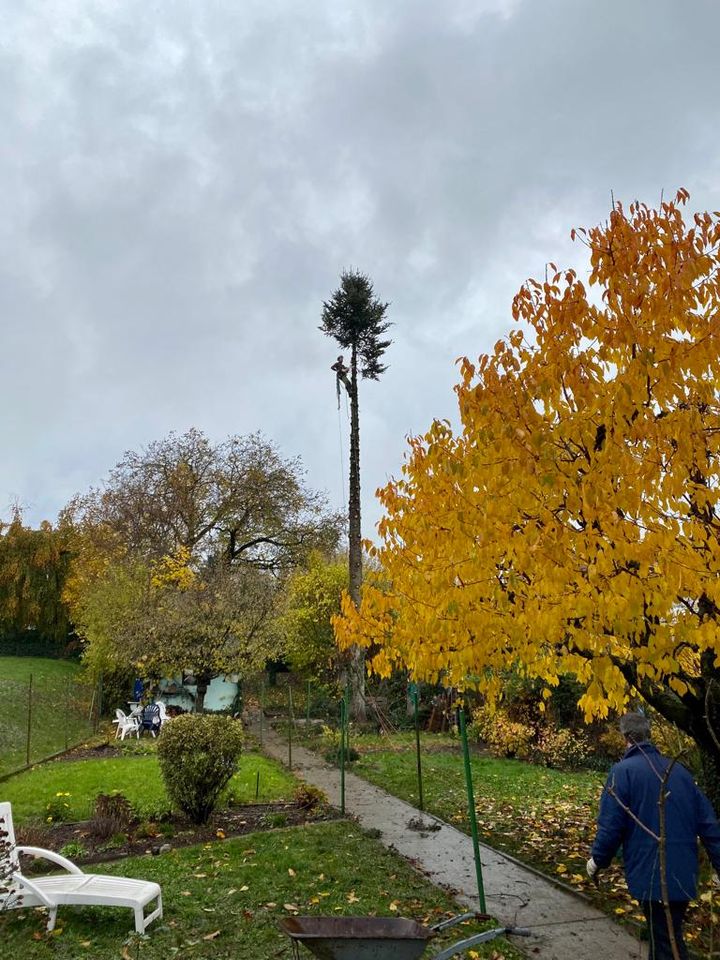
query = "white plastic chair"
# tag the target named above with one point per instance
(163, 711)
(73, 887)
(125, 725)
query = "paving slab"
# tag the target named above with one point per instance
(564, 925)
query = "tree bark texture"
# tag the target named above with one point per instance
(357, 654)
(200, 691)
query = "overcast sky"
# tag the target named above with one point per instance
(183, 182)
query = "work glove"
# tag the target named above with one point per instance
(592, 869)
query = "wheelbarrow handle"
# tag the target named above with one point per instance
(462, 945)
(452, 921)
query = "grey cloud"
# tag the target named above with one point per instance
(184, 183)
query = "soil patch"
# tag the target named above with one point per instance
(175, 831)
(99, 751)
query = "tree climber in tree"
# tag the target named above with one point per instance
(341, 373)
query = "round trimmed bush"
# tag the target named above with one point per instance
(198, 754)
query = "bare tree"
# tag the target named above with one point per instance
(238, 498)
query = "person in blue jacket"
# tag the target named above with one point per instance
(630, 817)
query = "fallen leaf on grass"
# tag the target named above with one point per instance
(290, 906)
(212, 936)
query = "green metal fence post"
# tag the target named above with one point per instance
(471, 812)
(343, 709)
(290, 726)
(348, 700)
(96, 723)
(262, 711)
(29, 720)
(417, 749)
(67, 712)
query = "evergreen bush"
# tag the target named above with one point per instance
(198, 754)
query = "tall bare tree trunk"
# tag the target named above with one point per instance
(357, 654)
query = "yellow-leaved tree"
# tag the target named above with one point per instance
(572, 524)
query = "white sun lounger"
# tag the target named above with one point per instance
(74, 887)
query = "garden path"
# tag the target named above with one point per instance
(565, 926)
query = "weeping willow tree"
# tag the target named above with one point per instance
(34, 566)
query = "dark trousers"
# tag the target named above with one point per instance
(658, 934)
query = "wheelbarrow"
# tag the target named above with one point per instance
(380, 938)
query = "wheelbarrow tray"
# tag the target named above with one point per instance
(359, 938)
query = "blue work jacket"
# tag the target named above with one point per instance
(631, 798)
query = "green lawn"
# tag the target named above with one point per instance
(60, 708)
(137, 777)
(545, 817)
(224, 900)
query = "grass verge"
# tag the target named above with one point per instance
(137, 777)
(224, 900)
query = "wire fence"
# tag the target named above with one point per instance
(305, 711)
(312, 705)
(41, 716)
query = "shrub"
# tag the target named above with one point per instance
(58, 809)
(611, 743)
(198, 755)
(112, 814)
(309, 797)
(117, 684)
(330, 742)
(274, 821)
(330, 738)
(503, 737)
(73, 850)
(116, 841)
(564, 749)
(147, 830)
